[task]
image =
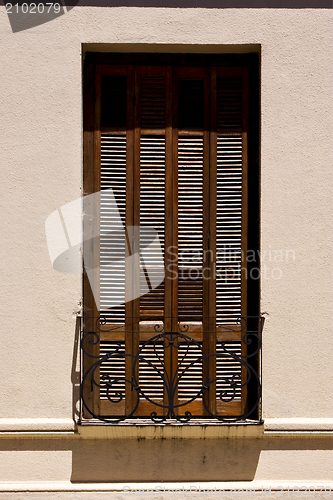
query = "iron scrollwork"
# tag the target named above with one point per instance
(162, 370)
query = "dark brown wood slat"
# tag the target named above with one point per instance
(173, 221)
(134, 280)
(153, 102)
(229, 103)
(129, 400)
(210, 343)
(245, 125)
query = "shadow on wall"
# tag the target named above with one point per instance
(130, 460)
(75, 373)
(170, 460)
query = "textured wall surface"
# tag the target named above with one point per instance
(41, 169)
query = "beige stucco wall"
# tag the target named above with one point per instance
(41, 169)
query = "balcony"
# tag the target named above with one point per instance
(170, 371)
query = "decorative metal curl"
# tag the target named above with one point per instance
(159, 327)
(183, 327)
(159, 354)
(93, 379)
(93, 340)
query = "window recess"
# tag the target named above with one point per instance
(171, 332)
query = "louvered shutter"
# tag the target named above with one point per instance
(171, 143)
(230, 147)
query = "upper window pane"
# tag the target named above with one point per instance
(114, 97)
(191, 104)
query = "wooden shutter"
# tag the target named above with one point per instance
(229, 143)
(171, 143)
(151, 144)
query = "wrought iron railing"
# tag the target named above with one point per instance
(170, 370)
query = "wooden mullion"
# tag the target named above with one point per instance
(174, 267)
(168, 204)
(88, 161)
(96, 219)
(244, 277)
(206, 342)
(191, 133)
(89, 306)
(92, 167)
(173, 360)
(97, 131)
(244, 191)
(232, 132)
(129, 391)
(170, 355)
(114, 131)
(212, 238)
(155, 131)
(135, 243)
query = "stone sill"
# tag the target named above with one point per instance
(197, 429)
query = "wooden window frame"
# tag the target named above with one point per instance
(97, 65)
